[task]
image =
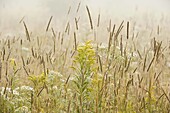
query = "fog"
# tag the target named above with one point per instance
(36, 13)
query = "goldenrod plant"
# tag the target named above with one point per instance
(84, 67)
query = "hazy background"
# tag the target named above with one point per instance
(36, 13)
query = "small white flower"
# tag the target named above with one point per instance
(8, 90)
(15, 92)
(24, 88)
(59, 74)
(22, 109)
(62, 80)
(52, 73)
(25, 49)
(55, 88)
(3, 89)
(71, 78)
(27, 88)
(103, 46)
(168, 64)
(135, 54)
(17, 88)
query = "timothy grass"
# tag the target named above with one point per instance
(57, 74)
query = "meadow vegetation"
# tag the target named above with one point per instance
(63, 72)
